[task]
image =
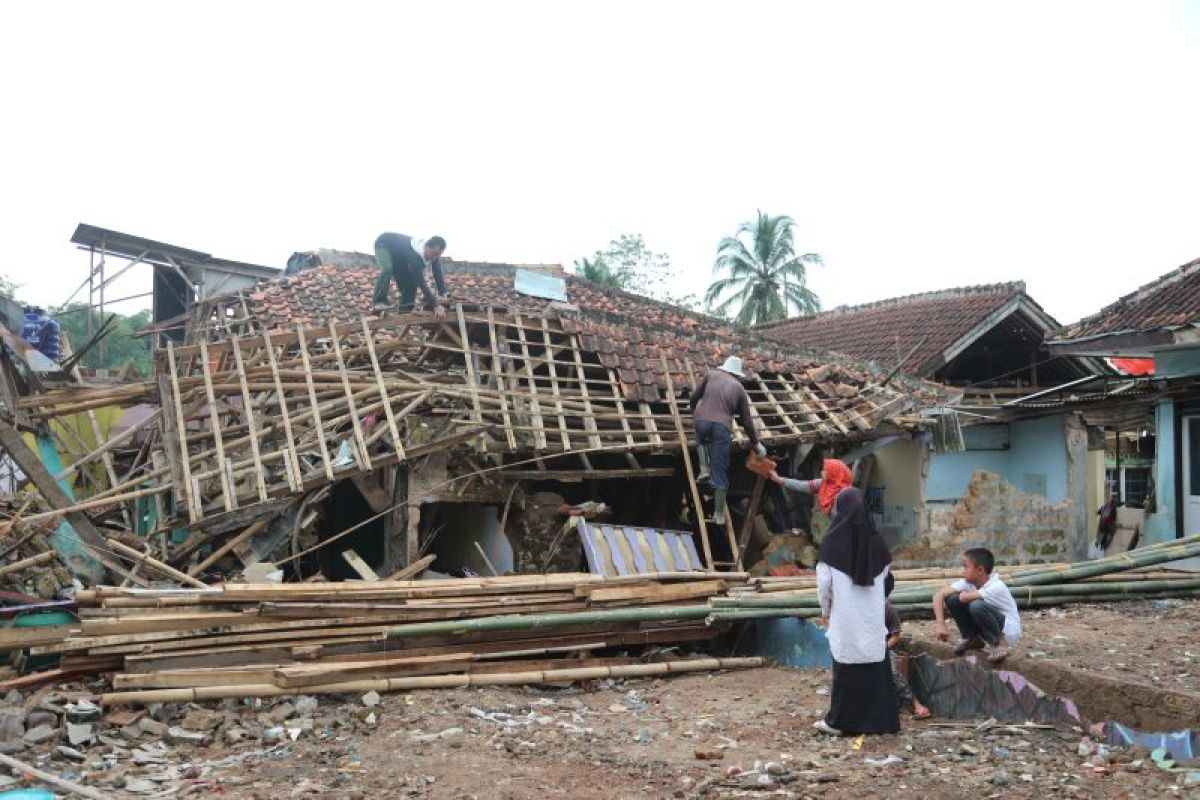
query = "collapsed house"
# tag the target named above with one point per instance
(290, 420)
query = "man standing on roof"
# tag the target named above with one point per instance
(714, 402)
(403, 259)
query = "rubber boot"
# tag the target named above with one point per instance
(702, 453)
(719, 506)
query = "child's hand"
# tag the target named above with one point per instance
(894, 641)
(943, 631)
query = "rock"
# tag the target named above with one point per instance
(281, 712)
(11, 746)
(236, 735)
(273, 735)
(79, 734)
(705, 754)
(371, 699)
(152, 727)
(40, 717)
(999, 778)
(306, 706)
(40, 734)
(202, 719)
(70, 754)
(13, 698)
(140, 785)
(12, 724)
(968, 750)
(182, 736)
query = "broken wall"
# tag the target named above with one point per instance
(1017, 526)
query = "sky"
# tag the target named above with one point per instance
(918, 145)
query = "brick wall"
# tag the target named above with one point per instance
(1018, 527)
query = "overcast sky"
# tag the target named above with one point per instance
(918, 145)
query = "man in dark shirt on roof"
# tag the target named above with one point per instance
(403, 259)
(718, 397)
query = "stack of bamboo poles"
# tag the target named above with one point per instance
(259, 640)
(1126, 576)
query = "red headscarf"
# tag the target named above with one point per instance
(835, 477)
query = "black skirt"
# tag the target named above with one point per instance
(863, 699)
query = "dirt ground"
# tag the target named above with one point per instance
(735, 734)
(1145, 641)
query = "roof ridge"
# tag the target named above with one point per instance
(1139, 294)
(1007, 287)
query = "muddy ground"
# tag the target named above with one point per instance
(691, 736)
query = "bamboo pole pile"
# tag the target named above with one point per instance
(233, 640)
(1126, 576)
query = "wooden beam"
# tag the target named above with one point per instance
(687, 465)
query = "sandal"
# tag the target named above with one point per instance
(924, 713)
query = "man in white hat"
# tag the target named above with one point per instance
(718, 397)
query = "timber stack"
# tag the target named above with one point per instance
(261, 640)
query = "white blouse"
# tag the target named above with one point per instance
(857, 633)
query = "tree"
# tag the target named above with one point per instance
(8, 287)
(631, 265)
(117, 347)
(596, 270)
(764, 278)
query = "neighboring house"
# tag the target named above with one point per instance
(1019, 483)
(1158, 322)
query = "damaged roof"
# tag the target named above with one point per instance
(884, 331)
(628, 332)
(1146, 317)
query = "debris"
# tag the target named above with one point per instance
(181, 736)
(370, 699)
(42, 733)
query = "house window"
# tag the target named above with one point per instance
(1131, 486)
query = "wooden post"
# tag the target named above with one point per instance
(316, 407)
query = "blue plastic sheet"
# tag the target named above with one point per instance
(1180, 744)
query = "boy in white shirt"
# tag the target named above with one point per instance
(982, 607)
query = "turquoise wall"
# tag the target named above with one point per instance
(1179, 363)
(1035, 462)
(1160, 526)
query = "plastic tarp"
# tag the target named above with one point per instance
(1179, 744)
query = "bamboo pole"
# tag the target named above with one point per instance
(52, 780)
(217, 554)
(26, 563)
(538, 621)
(451, 681)
(155, 564)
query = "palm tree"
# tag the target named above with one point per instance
(764, 278)
(598, 272)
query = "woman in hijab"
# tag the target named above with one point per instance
(852, 571)
(835, 476)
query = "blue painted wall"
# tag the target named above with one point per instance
(1160, 526)
(1036, 457)
(1039, 451)
(1177, 363)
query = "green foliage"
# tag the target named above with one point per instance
(8, 287)
(117, 347)
(763, 279)
(627, 263)
(596, 270)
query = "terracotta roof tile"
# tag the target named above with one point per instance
(628, 330)
(884, 331)
(1171, 301)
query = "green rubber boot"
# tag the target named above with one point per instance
(702, 453)
(719, 506)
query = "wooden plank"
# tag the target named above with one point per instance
(792, 426)
(508, 430)
(251, 423)
(397, 442)
(171, 438)
(748, 523)
(469, 362)
(364, 456)
(220, 552)
(227, 489)
(554, 387)
(687, 465)
(358, 565)
(413, 569)
(318, 425)
(192, 501)
(535, 408)
(589, 418)
(292, 459)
